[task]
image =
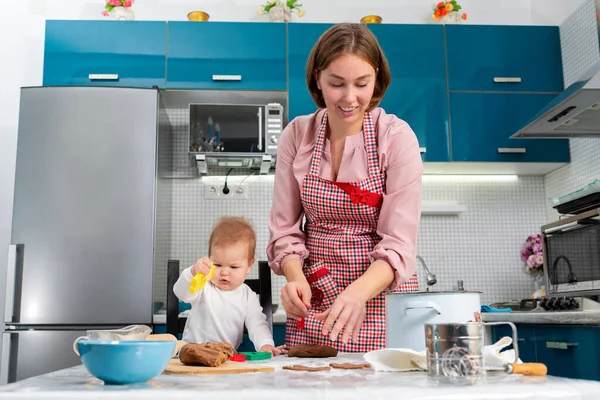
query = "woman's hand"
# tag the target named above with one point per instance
(347, 313)
(295, 297)
(202, 265)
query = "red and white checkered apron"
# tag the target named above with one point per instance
(341, 223)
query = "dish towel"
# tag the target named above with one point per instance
(403, 360)
(486, 308)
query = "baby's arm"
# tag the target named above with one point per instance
(256, 323)
(181, 288)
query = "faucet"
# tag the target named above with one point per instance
(431, 279)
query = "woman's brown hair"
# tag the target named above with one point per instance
(348, 38)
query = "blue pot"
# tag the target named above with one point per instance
(126, 361)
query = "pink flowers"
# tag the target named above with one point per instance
(531, 253)
(110, 4)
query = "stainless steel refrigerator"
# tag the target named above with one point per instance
(81, 254)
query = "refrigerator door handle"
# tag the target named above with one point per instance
(15, 261)
(5, 361)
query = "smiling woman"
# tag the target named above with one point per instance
(353, 172)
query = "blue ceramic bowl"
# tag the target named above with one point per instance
(121, 362)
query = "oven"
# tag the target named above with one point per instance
(571, 250)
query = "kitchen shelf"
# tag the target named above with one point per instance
(442, 208)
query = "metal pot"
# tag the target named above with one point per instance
(455, 351)
(407, 314)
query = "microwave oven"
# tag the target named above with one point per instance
(235, 129)
(571, 251)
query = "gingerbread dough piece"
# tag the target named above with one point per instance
(349, 366)
(224, 347)
(312, 351)
(209, 354)
(305, 368)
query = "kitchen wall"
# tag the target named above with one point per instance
(22, 60)
(480, 246)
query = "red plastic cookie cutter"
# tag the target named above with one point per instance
(316, 298)
(238, 357)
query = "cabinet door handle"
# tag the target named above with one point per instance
(13, 282)
(103, 77)
(260, 128)
(226, 77)
(512, 150)
(561, 345)
(507, 79)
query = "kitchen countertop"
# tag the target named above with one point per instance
(76, 383)
(552, 317)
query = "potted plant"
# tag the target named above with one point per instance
(281, 11)
(119, 10)
(448, 12)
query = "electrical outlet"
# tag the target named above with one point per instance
(215, 191)
(239, 191)
(211, 191)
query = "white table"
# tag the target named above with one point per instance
(76, 383)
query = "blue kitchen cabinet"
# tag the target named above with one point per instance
(278, 338)
(301, 39)
(417, 93)
(525, 340)
(569, 351)
(482, 123)
(418, 90)
(478, 54)
(105, 53)
(226, 55)
(279, 334)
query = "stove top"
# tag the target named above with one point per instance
(551, 304)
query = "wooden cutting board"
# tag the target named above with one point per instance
(228, 367)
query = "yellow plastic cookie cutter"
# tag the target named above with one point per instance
(199, 280)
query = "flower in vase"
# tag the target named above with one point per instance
(110, 4)
(532, 255)
(443, 8)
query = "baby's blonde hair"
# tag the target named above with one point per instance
(232, 230)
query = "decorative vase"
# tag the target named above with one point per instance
(122, 13)
(539, 285)
(538, 281)
(453, 17)
(280, 14)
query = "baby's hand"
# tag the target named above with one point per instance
(201, 266)
(267, 348)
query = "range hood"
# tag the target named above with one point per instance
(261, 162)
(575, 112)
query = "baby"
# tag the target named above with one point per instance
(222, 307)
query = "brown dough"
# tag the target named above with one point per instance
(224, 347)
(312, 351)
(209, 354)
(305, 368)
(349, 366)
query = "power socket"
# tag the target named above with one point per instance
(239, 192)
(236, 192)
